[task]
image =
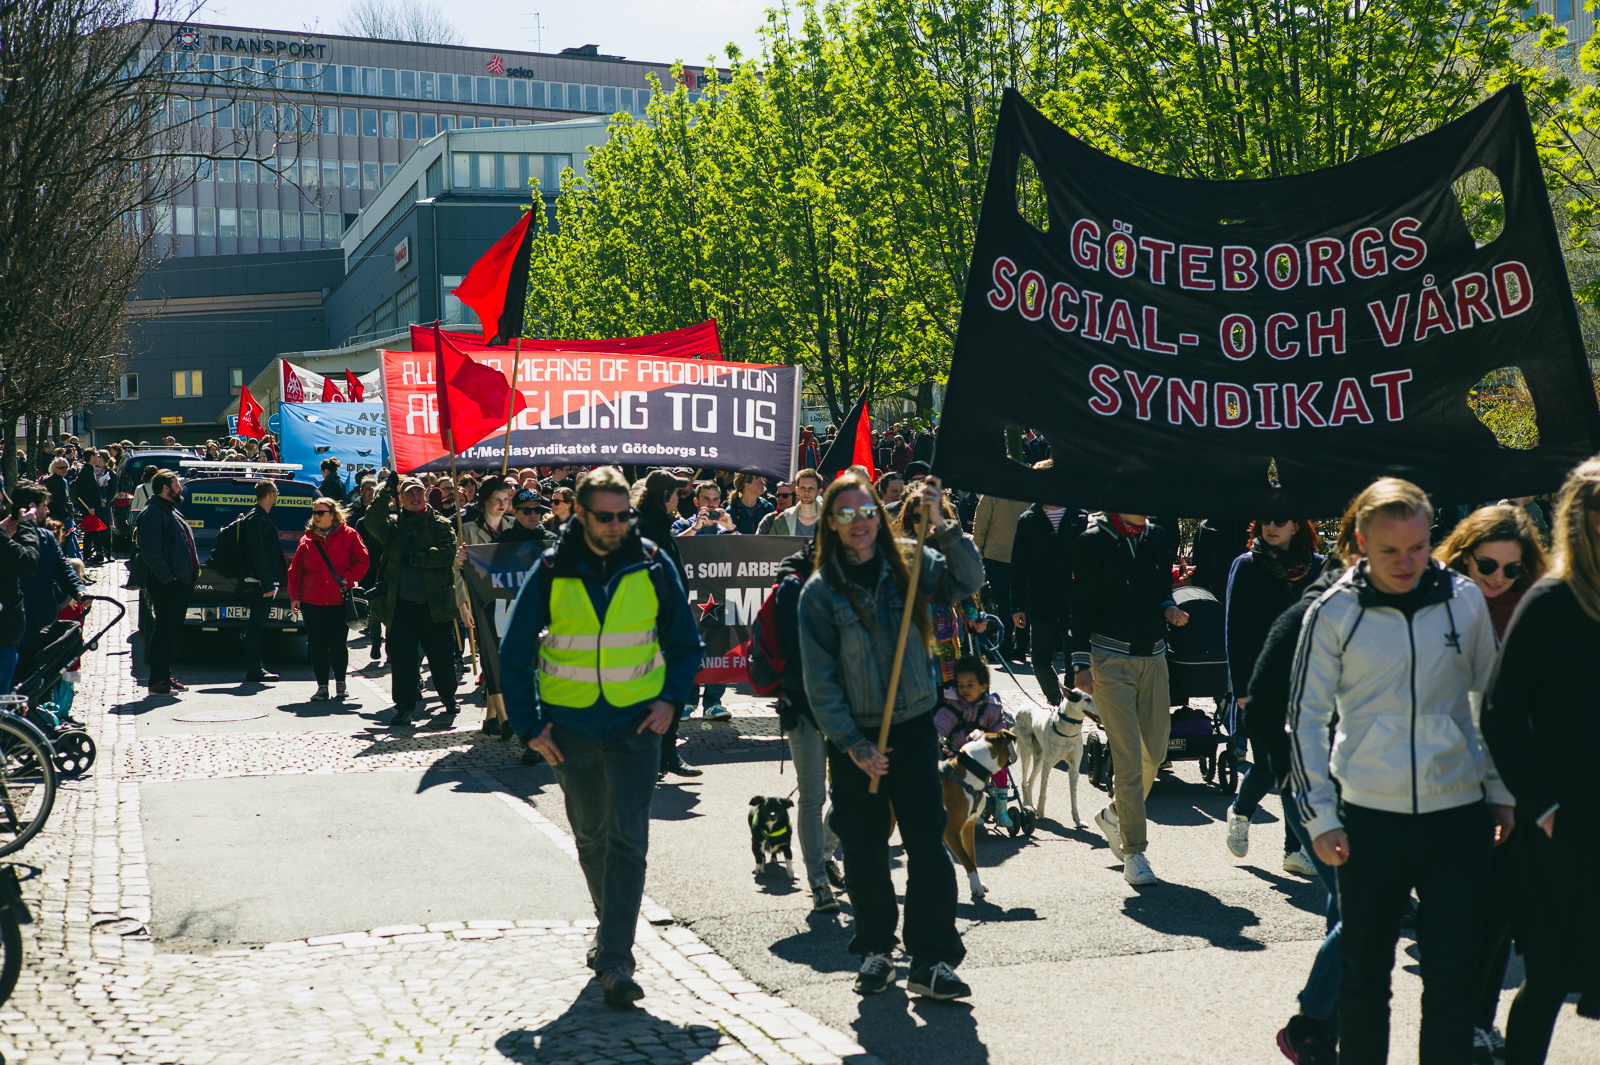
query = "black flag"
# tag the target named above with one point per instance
(853, 445)
(1230, 349)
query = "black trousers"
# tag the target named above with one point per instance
(1047, 633)
(167, 605)
(327, 638)
(998, 576)
(861, 821)
(1445, 856)
(413, 630)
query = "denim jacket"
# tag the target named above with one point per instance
(847, 667)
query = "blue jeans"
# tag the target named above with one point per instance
(8, 667)
(608, 786)
(817, 840)
(711, 694)
(1319, 999)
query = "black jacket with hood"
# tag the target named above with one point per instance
(1121, 586)
(1041, 563)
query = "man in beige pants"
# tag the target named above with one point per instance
(1121, 606)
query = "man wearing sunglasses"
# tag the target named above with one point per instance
(528, 509)
(600, 652)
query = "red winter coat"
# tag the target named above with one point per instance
(309, 579)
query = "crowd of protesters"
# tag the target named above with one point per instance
(1412, 680)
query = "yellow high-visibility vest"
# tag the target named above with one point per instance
(581, 657)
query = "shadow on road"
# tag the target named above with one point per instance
(823, 947)
(675, 801)
(592, 1031)
(939, 1031)
(1307, 895)
(1180, 910)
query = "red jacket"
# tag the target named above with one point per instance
(309, 579)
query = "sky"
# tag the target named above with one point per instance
(650, 30)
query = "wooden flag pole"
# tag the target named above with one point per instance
(472, 631)
(900, 646)
(511, 406)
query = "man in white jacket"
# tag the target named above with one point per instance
(1391, 774)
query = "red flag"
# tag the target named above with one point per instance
(352, 385)
(249, 414)
(472, 397)
(497, 285)
(853, 445)
(330, 391)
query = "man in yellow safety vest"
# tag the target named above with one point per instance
(599, 653)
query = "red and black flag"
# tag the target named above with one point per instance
(853, 445)
(497, 285)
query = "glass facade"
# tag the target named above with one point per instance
(315, 137)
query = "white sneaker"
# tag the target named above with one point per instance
(1299, 864)
(1107, 820)
(1238, 834)
(1136, 871)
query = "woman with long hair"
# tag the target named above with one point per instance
(493, 520)
(850, 612)
(951, 621)
(749, 503)
(1500, 548)
(1279, 563)
(1542, 719)
(329, 560)
(561, 500)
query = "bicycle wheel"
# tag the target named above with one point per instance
(27, 782)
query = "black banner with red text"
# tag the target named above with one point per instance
(1230, 349)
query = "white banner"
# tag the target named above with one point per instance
(296, 384)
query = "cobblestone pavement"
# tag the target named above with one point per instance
(95, 988)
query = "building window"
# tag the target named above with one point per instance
(369, 122)
(591, 98)
(536, 94)
(224, 116)
(485, 172)
(557, 96)
(349, 220)
(386, 83)
(330, 173)
(453, 310)
(383, 317)
(608, 99)
(627, 99)
(425, 85)
(269, 225)
(519, 93)
(429, 126)
(461, 170)
(389, 170)
(405, 304)
(291, 225)
(408, 125)
(352, 175)
(311, 228)
(482, 92)
(227, 222)
(247, 171)
(369, 81)
(331, 224)
(447, 87)
(390, 123)
(511, 172)
(347, 122)
(347, 80)
(235, 380)
(574, 97)
(225, 171)
(308, 118)
(369, 176)
(208, 221)
(447, 122)
(1563, 10)
(330, 78)
(185, 221)
(308, 173)
(464, 90)
(502, 92)
(553, 165)
(248, 223)
(330, 120)
(502, 122)
(187, 384)
(128, 386)
(466, 122)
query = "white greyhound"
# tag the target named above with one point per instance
(1045, 737)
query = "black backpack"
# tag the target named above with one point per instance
(228, 556)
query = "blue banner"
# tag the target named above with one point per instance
(356, 434)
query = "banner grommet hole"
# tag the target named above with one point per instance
(1482, 203)
(1032, 204)
(1503, 403)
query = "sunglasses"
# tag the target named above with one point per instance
(1277, 523)
(321, 513)
(846, 515)
(606, 517)
(1487, 566)
(527, 510)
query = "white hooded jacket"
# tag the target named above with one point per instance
(1399, 697)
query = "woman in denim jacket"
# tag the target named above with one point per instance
(849, 619)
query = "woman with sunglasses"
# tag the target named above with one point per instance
(1280, 562)
(850, 611)
(1499, 547)
(329, 559)
(1541, 719)
(561, 500)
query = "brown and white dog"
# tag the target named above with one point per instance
(966, 777)
(1046, 737)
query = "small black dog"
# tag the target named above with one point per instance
(771, 833)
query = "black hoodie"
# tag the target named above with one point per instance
(1266, 714)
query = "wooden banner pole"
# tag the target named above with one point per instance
(900, 646)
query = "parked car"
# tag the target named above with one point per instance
(209, 504)
(130, 476)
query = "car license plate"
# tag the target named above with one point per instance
(236, 612)
(1177, 745)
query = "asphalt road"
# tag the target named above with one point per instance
(1065, 959)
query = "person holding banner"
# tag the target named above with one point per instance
(850, 607)
(599, 655)
(418, 601)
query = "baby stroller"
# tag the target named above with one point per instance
(41, 684)
(1002, 799)
(1197, 667)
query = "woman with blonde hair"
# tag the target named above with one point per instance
(1500, 549)
(1542, 720)
(329, 560)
